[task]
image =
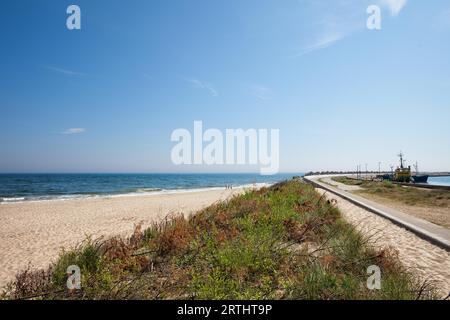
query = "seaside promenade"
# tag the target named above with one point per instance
(421, 245)
(437, 235)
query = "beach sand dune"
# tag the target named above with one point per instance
(33, 233)
(426, 260)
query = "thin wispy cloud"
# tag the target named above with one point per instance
(64, 71)
(394, 6)
(323, 42)
(74, 131)
(337, 20)
(203, 85)
(260, 92)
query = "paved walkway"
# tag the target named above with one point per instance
(435, 234)
(339, 185)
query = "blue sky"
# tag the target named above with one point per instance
(107, 97)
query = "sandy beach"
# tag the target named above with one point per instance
(33, 233)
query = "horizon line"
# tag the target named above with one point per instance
(258, 173)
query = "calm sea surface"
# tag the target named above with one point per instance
(441, 181)
(25, 187)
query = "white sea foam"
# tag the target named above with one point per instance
(13, 199)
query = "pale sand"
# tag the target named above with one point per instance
(425, 259)
(33, 233)
(339, 185)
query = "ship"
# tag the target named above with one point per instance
(419, 178)
(402, 173)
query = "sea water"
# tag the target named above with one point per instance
(440, 181)
(38, 187)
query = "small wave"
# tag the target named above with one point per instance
(144, 190)
(42, 198)
(15, 199)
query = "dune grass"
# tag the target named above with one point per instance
(282, 242)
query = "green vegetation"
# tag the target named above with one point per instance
(401, 194)
(282, 242)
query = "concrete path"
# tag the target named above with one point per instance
(435, 234)
(339, 185)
